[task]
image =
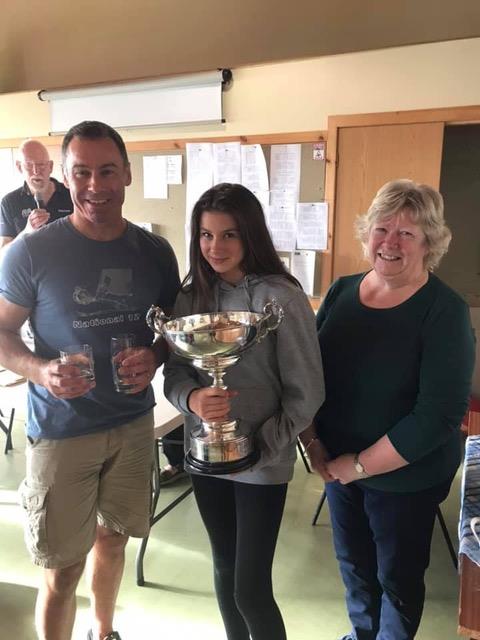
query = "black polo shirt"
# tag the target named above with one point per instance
(17, 205)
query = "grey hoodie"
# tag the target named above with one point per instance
(279, 380)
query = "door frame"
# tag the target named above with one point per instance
(445, 115)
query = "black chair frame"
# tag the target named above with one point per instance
(7, 430)
(155, 517)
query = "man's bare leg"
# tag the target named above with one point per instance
(104, 573)
(56, 603)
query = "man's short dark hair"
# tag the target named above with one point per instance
(93, 130)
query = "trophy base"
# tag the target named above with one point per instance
(222, 468)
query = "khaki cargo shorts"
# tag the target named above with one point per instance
(75, 483)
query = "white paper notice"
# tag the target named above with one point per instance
(285, 167)
(199, 179)
(283, 198)
(254, 168)
(264, 198)
(312, 225)
(155, 177)
(286, 262)
(174, 169)
(282, 220)
(303, 268)
(199, 173)
(227, 164)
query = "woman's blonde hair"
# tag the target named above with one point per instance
(425, 206)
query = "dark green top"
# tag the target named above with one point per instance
(404, 371)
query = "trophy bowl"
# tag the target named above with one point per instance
(213, 342)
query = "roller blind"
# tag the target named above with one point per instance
(182, 100)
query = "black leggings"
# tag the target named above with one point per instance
(242, 521)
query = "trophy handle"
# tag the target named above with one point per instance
(273, 316)
(156, 318)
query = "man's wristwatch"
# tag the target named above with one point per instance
(359, 468)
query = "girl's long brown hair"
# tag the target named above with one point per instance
(260, 257)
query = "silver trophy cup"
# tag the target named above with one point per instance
(213, 342)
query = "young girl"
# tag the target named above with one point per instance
(273, 393)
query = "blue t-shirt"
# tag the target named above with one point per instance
(85, 291)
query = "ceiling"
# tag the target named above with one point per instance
(47, 44)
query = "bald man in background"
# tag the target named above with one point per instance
(40, 200)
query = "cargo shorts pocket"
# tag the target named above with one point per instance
(34, 503)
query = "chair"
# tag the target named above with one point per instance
(303, 456)
(160, 435)
(440, 518)
(7, 430)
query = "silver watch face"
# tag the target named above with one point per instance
(359, 467)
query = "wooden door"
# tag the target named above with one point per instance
(367, 158)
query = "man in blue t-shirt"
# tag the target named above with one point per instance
(84, 279)
(41, 198)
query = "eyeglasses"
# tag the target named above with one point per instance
(39, 166)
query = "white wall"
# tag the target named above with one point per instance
(300, 95)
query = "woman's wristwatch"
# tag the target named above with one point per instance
(359, 468)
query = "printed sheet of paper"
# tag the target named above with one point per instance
(303, 268)
(174, 169)
(199, 179)
(199, 172)
(227, 162)
(285, 160)
(155, 177)
(264, 198)
(283, 198)
(254, 168)
(282, 219)
(312, 225)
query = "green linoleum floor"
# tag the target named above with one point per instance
(178, 600)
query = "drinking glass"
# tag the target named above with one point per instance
(121, 347)
(80, 355)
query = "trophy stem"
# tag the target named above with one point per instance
(216, 367)
(219, 428)
(217, 375)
